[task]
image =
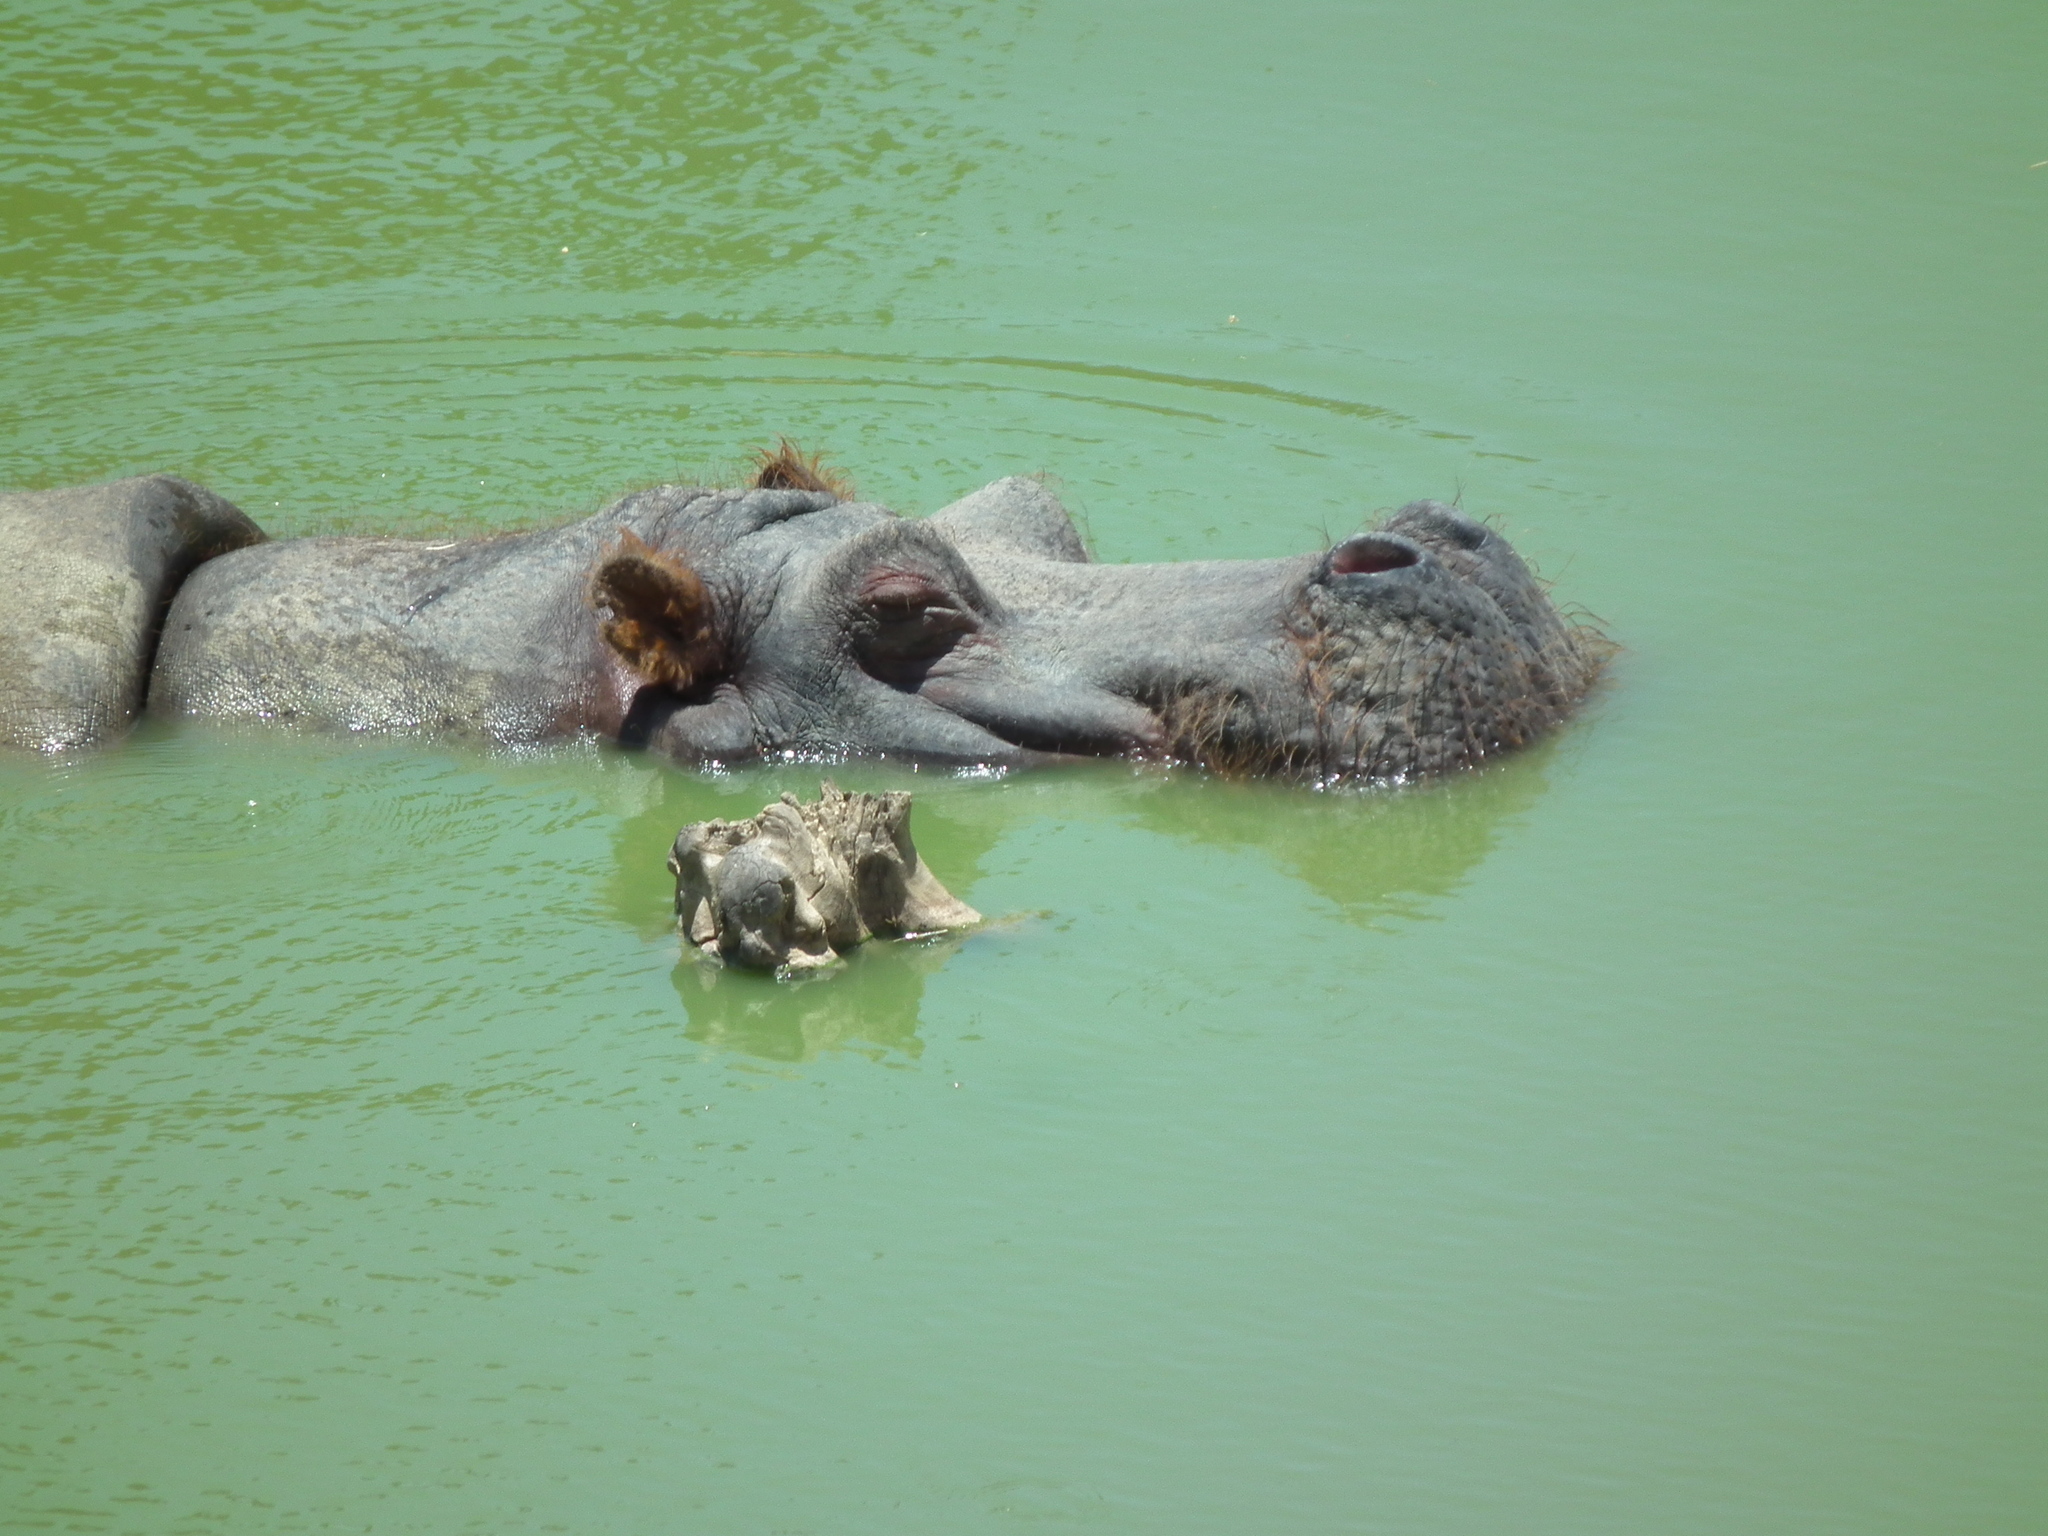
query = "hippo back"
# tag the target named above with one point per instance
(88, 573)
(486, 637)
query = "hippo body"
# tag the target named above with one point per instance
(490, 636)
(87, 574)
(786, 619)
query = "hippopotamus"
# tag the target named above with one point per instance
(788, 619)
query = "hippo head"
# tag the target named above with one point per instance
(785, 620)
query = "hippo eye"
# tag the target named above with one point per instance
(906, 617)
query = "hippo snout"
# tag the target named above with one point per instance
(1428, 645)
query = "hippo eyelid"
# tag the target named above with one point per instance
(913, 554)
(899, 592)
(924, 629)
(906, 618)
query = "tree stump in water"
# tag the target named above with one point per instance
(800, 884)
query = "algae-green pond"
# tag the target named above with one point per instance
(1644, 1134)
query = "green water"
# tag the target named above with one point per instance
(1646, 1135)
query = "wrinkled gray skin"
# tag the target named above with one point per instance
(983, 634)
(799, 885)
(85, 577)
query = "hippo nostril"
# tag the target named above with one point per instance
(1368, 554)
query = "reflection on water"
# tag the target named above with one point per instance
(1379, 857)
(869, 1003)
(1377, 854)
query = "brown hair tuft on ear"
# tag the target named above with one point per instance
(660, 614)
(786, 467)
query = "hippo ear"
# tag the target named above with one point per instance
(1014, 516)
(658, 614)
(786, 467)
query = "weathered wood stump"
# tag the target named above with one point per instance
(800, 884)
